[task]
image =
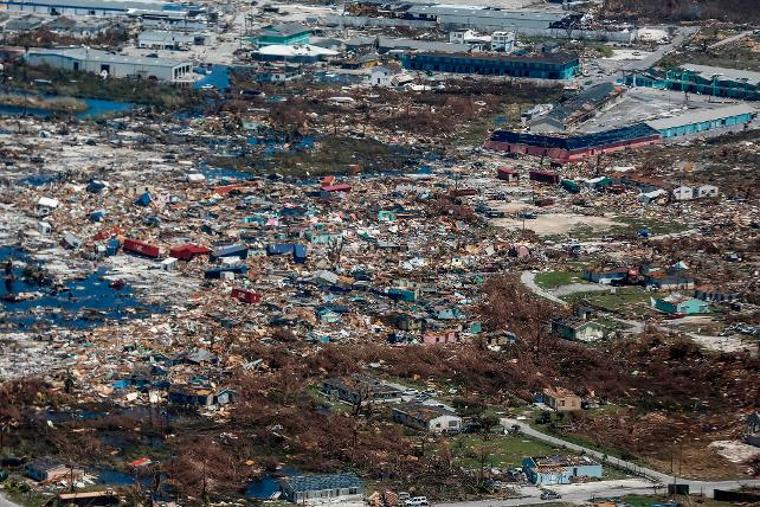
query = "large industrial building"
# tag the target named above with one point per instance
(578, 109)
(570, 149)
(119, 66)
(86, 7)
(488, 18)
(549, 66)
(564, 149)
(702, 79)
(704, 120)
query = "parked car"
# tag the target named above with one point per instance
(550, 495)
(417, 501)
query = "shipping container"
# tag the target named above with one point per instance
(246, 296)
(216, 273)
(340, 187)
(236, 250)
(141, 248)
(544, 177)
(188, 251)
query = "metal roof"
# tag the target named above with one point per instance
(586, 141)
(488, 12)
(284, 30)
(301, 483)
(388, 43)
(707, 72)
(94, 55)
(702, 116)
(116, 5)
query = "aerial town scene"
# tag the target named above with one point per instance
(380, 253)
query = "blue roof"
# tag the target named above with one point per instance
(636, 131)
(301, 483)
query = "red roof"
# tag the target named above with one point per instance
(339, 187)
(141, 462)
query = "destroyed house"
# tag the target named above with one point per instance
(555, 470)
(547, 66)
(50, 470)
(561, 400)
(328, 487)
(360, 389)
(578, 329)
(568, 149)
(427, 418)
(198, 396)
(752, 429)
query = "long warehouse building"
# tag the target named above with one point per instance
(570, 149)
(702, 121)
(119, 66)
(550, 66)
(87, 7)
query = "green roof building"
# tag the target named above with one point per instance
(282, 35)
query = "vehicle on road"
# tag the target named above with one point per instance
(417, 501)
(550, 495)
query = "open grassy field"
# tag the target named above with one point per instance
(552, 279)
(627, 299)
(499, 451)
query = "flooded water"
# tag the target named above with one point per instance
(219, 78)
(78, 304)
(96, 108)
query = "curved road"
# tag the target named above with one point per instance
(706, 488)
(528, 279)
(4, 502)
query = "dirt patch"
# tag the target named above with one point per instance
(557, 223)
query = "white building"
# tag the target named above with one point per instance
(683, 193)
(106, 64)
(380, 76)
(83, 7)
(165, 39)
(503, 41)
(428, 418)
(707, 191)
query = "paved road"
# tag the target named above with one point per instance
(5, 502)
(531, 495)
(731, 39)
(706, 488)
(529, 280)
(683, 34)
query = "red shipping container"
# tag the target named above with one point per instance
(339, 187)
(188, 251)
(139, 247)
(246, 296)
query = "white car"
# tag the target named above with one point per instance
(417, 501)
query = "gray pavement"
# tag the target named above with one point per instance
(706, 488)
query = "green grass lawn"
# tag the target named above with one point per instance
(628, 299)
(632, 226)
(502, 451)
(553, 279)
